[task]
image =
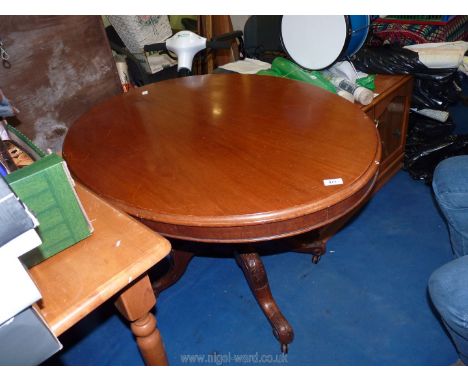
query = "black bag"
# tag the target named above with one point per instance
(422, 129)
(421, 160)
(433, 88)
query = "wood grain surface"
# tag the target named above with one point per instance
(227, 157)
(79, 279)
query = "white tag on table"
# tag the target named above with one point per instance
(332, 182)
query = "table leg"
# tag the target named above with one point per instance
(135, 303)
(254, 271)
(179, 262)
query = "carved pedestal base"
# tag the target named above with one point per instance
(254, 271)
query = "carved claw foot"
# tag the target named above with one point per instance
(254, 272)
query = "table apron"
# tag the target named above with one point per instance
(265, 230)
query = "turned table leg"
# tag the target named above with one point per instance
(135, 303)
(179, 261)
(254, 271)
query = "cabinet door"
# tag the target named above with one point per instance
(390, 124)
(390, 116)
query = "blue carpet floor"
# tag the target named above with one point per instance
(365, 303)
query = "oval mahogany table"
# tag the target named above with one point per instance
(228, 158)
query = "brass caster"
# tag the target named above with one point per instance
(316, 258)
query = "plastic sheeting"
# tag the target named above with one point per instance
(281, 67)
(424, 129)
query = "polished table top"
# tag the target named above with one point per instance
(227, 158)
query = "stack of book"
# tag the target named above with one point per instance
(40, 215)
(17, 237)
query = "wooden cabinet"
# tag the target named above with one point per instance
(389, 111)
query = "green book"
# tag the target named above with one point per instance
(47, 188)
